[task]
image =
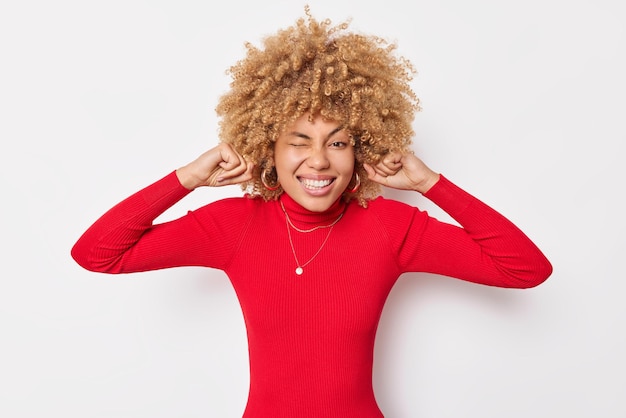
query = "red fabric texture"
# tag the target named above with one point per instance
(311, 337)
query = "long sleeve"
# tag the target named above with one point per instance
(486, 248)
(125, 239)
(104, 245)
(311, 336)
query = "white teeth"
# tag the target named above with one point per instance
(315, 184)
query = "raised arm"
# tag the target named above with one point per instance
(486, 248)
(125, 238)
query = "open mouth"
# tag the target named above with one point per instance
(315, 184)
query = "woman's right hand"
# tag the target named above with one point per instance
(219, 166)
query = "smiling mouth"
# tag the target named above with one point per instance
(315, 184)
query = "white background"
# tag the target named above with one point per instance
(524, 106)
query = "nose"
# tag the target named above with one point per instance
(318, 159)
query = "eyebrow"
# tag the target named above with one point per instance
(304, 136)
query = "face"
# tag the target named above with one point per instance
(314, 162)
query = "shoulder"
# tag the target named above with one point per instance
(246, 202)
(230, 209)
(229, 218)
(390, 223)
(391, 213)
(381, 206)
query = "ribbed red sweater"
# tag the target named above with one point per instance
(311, 337)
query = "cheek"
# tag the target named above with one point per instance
(345, 163)
(286, 160)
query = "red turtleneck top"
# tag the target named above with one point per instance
(311, 336)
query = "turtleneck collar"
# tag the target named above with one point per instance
(304, 217)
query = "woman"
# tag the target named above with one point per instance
(313, 125)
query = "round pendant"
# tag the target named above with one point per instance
(299, 271)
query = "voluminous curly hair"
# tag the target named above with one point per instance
(313, 67)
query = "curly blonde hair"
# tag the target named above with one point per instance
(316, 68)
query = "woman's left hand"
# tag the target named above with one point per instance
(403, 172)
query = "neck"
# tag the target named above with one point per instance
(304, 218)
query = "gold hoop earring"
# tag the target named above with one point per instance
(268, 186)
(356, 187)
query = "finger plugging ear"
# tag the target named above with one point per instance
(235, 176)
(391, 163)
(234, 170)
(387, 167)
(371, 173)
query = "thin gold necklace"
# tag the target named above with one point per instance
(308, 230)
(300, 267)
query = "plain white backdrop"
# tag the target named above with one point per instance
(524, 106)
